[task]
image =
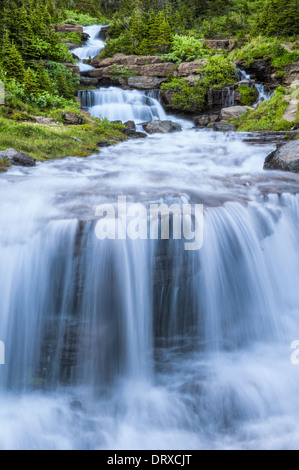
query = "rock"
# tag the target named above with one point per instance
(134, 134)
(103, 32)
(17, 158)
(259, 70)
(130, 125)
(72, 118)
(88, 82)
(221, 97)
(285, 157)
(104, 143)
(228, 44)
(190, 68)
(156, 70)
(292, 72)
(201, 121)
(161, 127)
(234, 112)
(68, 28)
(85, 36)
(145, 83)
(223, 127)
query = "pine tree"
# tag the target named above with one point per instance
(31, 86)
(11, 60)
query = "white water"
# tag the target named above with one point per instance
(139, 344)
(93, 47)
(263, 95)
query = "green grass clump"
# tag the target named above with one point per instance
(268, 49)
(268, 116)
(248, 95)
(44, 142)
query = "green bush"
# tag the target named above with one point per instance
(248, 95)
(186, 49)
(219, 71)
(185, 98)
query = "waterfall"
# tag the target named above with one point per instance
(92, 48)
(263, 95)
(137, 343)
(117, 104)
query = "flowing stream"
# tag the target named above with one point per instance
(140, 344)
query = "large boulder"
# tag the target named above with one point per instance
(69, 28)
(145, 83)
(190, 68)
(17, 158)
(233, 112)
(156, 70)
(285, 157)
(162, 127)
(72, 118)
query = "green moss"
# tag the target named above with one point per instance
(123, 72)
(248, 95)
(185, 98)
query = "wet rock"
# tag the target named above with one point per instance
(162, 127)
(223, 127)
(17, 158)
(87, 82)
(72, 118)
(201, 121)
(145, 83)
(130, 125)
(233, 112)
(285, 157)
(259, 70)
(104, 143)
(103, 32)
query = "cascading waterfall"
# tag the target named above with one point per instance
(93, 47)
(124, 105)
(140, 344)
(263, 95)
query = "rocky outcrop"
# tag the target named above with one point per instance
(292, 72)
(87, 82)
(103, 32)
(68, 28)
(17, 158)
(145, 83)
(162, 127)
(259, 70)
(186, 69)
(227, 44)
(72, 118)
(148, 72)
(285, 157)
(233, 112)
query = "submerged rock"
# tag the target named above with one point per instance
(17, 158)
(285, 157)
(162, 127)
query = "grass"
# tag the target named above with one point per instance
(45, 142)
(268, 116)
(265, 48)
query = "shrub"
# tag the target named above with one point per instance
(248, 95)
(186, 49)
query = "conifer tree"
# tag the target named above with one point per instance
(11, 60)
